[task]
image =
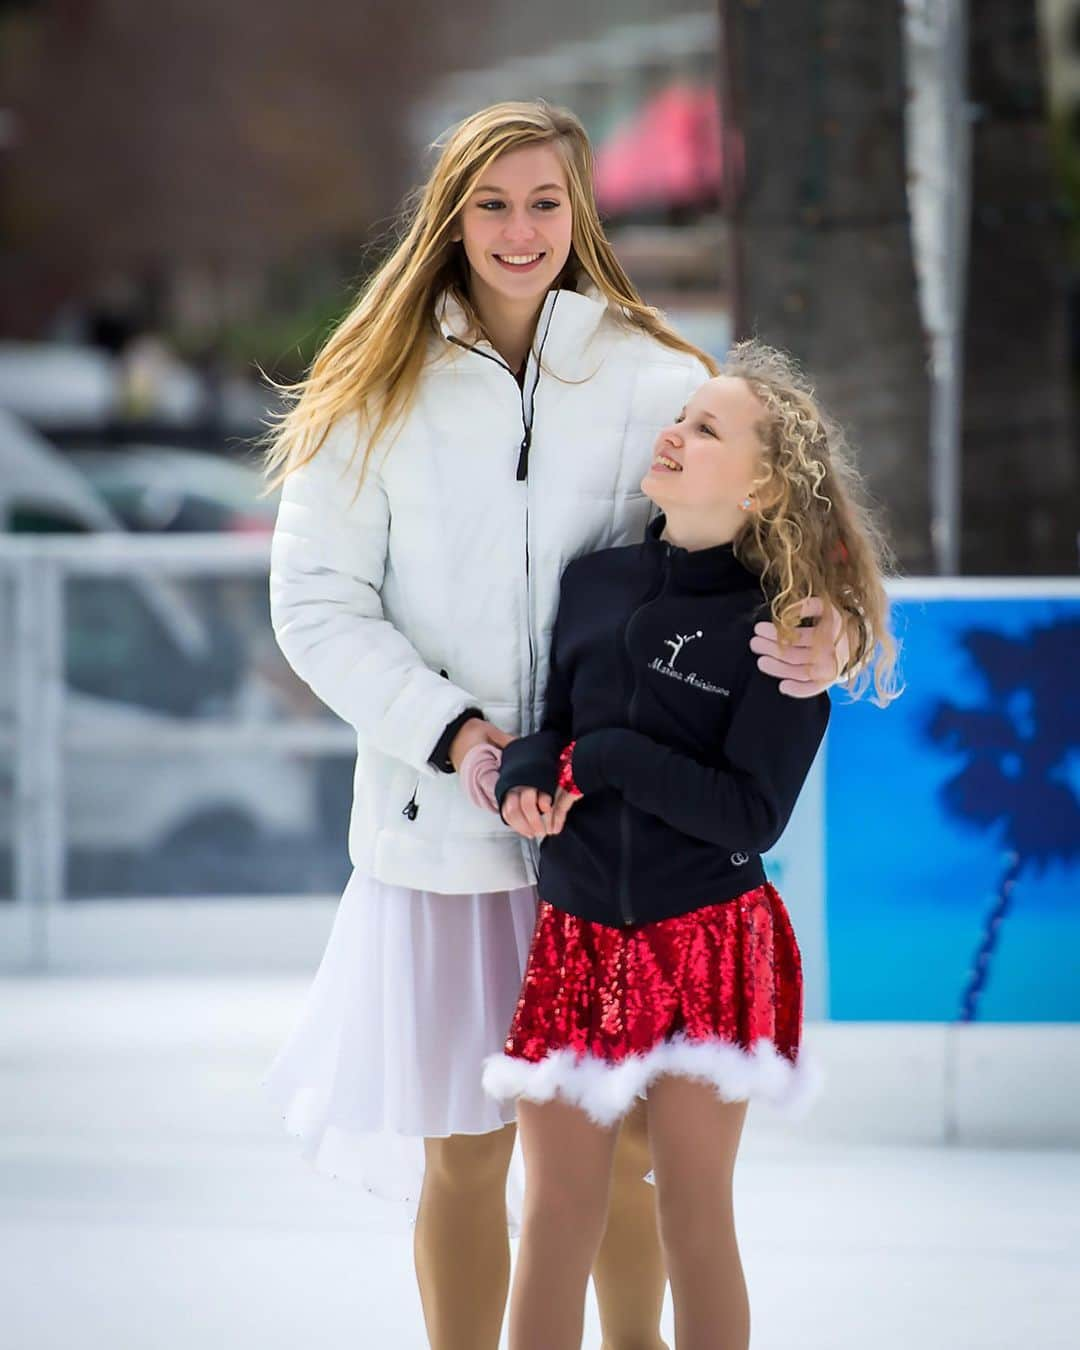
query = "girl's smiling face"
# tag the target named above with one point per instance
(516, 225)
(714, 447)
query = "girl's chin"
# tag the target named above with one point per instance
(524, 285)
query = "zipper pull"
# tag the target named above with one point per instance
(523, 456)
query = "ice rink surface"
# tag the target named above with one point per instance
(151, 1200)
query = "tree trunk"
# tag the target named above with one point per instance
(821, 249)
(1020, 480)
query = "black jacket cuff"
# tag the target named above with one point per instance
(530, 761)
(440, 756)
(595, 756)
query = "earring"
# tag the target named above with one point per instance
(746, 502)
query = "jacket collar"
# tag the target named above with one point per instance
(699, 569)
(568, 321)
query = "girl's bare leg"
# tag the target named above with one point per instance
(629, 1272)
(568, 1161)
(695, 1137)
(461, 1246)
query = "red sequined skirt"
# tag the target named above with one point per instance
(714, 995)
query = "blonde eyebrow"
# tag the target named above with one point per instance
(544, 187)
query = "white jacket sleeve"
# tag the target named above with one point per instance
(327, 562)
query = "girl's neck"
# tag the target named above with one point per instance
(509, 324)
(686, 530)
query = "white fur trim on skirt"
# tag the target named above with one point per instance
(606, 1090)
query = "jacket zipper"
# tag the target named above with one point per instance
(528, 421)
(625, 909)
(412, 806)
(521, 474)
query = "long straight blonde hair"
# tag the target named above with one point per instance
(371, 362)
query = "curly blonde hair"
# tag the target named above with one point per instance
(813, 532)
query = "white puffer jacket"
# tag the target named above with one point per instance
(435, 589)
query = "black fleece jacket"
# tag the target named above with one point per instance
(689, 757)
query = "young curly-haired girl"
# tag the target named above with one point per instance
(663, 963)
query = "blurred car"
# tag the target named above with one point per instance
(143, 655)
(39, 490)
(52, 384)
(150, 487)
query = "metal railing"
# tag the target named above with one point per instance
(46, 743)
(38, 738)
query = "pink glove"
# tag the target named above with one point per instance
(479, 772)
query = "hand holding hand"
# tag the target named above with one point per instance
(563, 802)
(526, 811)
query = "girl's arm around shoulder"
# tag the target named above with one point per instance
(819, 657)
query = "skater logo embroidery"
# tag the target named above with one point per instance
(662, 667)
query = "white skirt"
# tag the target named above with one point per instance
(414, 991)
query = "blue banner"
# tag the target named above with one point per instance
(951, 873)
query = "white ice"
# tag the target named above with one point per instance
(150, 1200)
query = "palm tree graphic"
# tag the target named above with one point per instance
(1016, 748)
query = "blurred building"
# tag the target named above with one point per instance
(213, 183)
(212, 170)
